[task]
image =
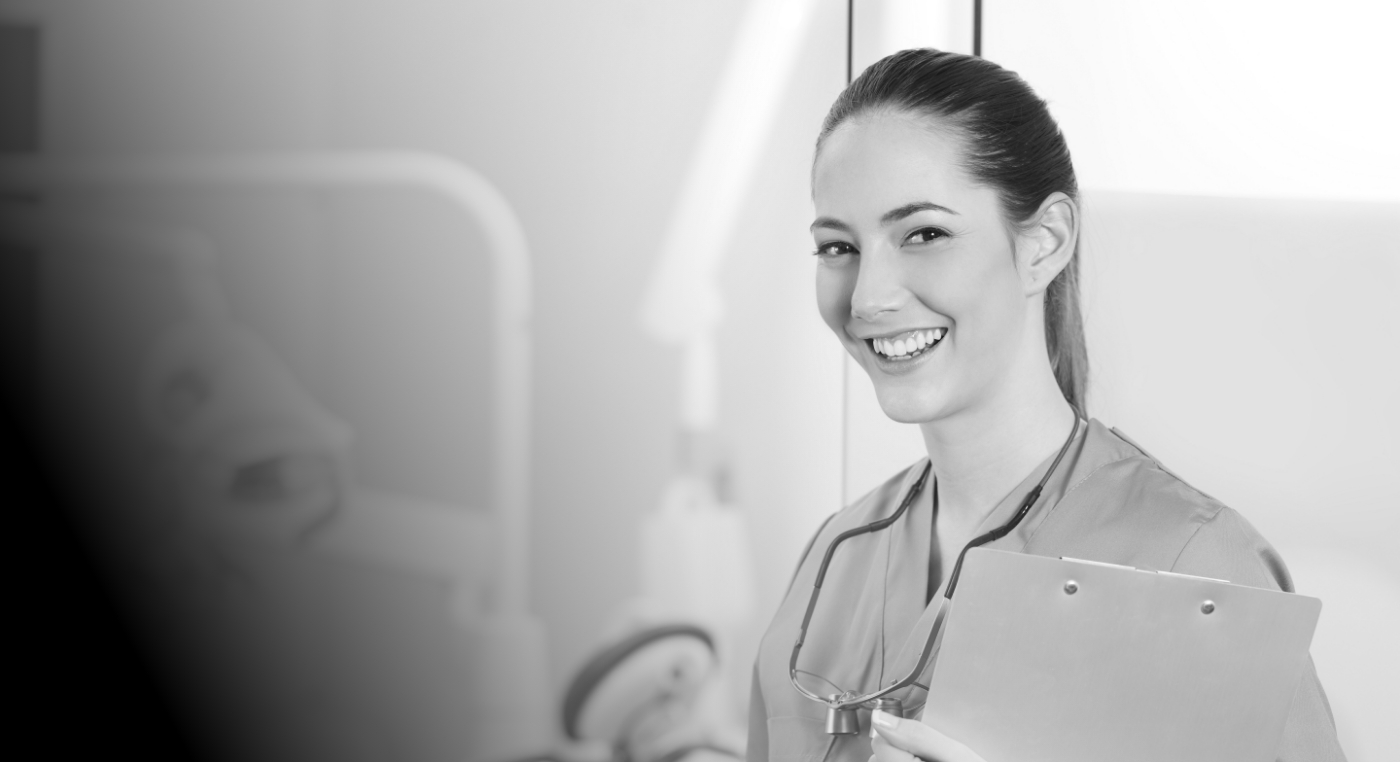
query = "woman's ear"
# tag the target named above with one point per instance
(1046, 242)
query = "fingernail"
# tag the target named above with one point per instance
(884, 719)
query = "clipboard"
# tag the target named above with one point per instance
(1063, 660)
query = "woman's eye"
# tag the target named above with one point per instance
(834, 249)
(926, 235)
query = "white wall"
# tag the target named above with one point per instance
(1258, 98)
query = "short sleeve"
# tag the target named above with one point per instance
(757, 749)
(1228, 547)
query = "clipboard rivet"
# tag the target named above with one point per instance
(1071, 587)
(1207, 607)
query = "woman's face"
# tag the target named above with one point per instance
(917, 271)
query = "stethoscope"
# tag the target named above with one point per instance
(841, 708)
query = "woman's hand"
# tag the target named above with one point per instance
(898, 740)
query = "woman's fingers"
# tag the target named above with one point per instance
(900, 740)
(884, 752)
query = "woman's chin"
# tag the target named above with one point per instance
(908, 408)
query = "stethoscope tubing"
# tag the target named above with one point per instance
(848, 699)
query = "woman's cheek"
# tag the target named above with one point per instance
(835, 284)
(993, 327)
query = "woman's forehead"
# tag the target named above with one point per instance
(886, 159)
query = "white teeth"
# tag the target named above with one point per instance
(912, 343)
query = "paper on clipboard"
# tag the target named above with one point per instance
(1058, 660)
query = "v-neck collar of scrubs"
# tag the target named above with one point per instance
(908, 613)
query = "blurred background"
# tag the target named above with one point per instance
(441, 380)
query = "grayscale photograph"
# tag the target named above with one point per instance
(702, 380)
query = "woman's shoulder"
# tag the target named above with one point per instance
(872, 506)
(1117, 466)
(883, 500)
(1124, 502)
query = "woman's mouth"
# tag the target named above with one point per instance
(903, 347)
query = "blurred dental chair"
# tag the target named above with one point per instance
(645, 696)
(650, 696)
(306, 615)
(659, 689)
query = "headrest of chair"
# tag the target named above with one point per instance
(650, 666)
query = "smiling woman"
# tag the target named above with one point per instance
(895, 266)
(947, 265)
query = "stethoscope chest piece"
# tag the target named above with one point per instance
(842, 720)
(889, 705)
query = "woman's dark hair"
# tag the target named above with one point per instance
(1011, 143)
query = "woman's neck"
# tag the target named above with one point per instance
(980, 455)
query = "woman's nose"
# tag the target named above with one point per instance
(879, 287)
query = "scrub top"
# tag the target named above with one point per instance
(1108, 501)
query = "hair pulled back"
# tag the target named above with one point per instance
(1010, 143)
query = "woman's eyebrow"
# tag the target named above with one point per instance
(830, 222)
(893, 215)
(901, 212)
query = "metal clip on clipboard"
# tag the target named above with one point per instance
(1060, 659)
